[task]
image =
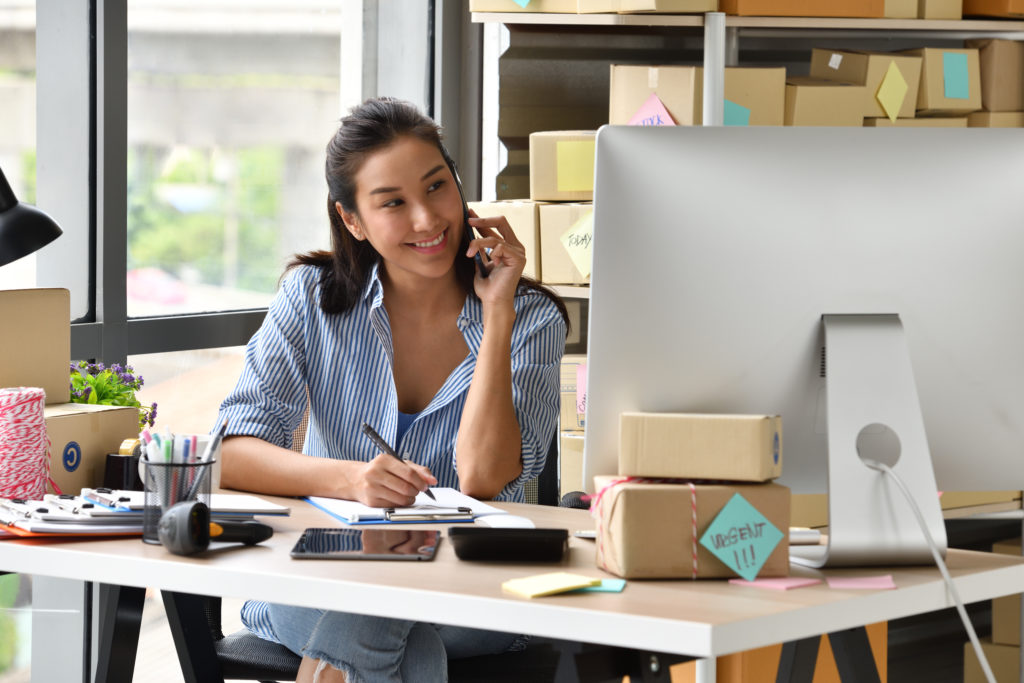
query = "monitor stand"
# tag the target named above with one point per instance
(874, 414)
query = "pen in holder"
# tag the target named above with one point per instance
(167, 483)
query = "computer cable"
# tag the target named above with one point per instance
(882, 467)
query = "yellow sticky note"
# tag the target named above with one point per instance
(575, 162)
(548, 584)
(891, 91)
(578, 240)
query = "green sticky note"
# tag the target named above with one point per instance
(606, 586)
(956, 84)
(522, 3)
(575, 165)
(741, 537)
(736, 114)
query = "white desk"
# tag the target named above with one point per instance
(697, 618)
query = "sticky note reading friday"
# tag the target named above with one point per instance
(954, 76)
(892, 91)
(652, 113)
(578, 240)
(741, 537)
(735, 114)
(575, 162)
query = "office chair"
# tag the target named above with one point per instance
(202, 647)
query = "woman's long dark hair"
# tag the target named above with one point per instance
(346, 266)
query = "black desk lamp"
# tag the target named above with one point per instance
(23, 227)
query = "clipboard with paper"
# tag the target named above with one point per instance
(449, 505)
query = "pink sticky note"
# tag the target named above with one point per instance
(779, 584)
(882, 582)
(581, 388)
(652, 113)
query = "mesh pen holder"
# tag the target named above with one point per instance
(167, 483)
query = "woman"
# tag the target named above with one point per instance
(394, 327)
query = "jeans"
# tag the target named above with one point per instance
(379, 649)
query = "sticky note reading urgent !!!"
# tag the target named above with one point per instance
(652, 113)
(575, 162)
(892, 91)
(741, 537)
(954, 76)
(578, 240)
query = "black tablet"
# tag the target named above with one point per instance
(367, 544)
(509, 545)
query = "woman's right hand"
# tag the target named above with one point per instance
(386, 482)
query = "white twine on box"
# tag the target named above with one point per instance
(24, 445)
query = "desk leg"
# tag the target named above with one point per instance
(707, 670)
(796, 665)
(854, 660)
(61, 630)
(120, 610)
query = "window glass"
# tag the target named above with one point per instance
(230, 106)
(187, 386)
(18, 119)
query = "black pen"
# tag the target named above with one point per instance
(383, 446)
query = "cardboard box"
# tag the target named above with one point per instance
(994, 8)
(923, 122)
(940, 9)
(644, 529)
(81, 435)
(872, 70)
(572, 419)
(1006, 610)
(762, 664)
(1003, 659)
(804, 8)
(562, 166)
(700, 446)
(570, 462)
(950, 81)
(649, 6)
(555, 264)
(542, 6)
(995, 119)
(1002, 73)
(35, 351)
(814, 102)
(523, 217)
(809, 510)
(758, 93)
(900, 9)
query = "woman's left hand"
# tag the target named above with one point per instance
(506, 259)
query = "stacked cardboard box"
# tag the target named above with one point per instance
(572, 422)
(693, 498)
(1001, 63)
(950, 81)
(753, 96)
(522, 217)
(816, 102)
(647, 6)
(994, 8)
(36, 353)
(940, 9)
(890, 81)
(1002, 650)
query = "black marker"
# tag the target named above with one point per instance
(379, 441)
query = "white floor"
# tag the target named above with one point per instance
(156, 661)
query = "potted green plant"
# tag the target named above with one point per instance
(110, 386)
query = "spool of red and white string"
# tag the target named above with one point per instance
(24, 446)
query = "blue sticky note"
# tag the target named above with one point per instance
(736, 114)
(956, 84)
(741, 537)
(606, 586)
(522, 3)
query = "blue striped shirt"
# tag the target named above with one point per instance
(344, 362)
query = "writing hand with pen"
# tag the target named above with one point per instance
(390, 480)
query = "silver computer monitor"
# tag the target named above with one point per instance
(718, 250)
